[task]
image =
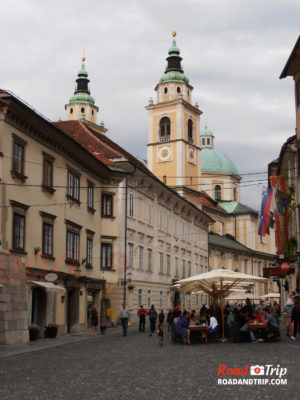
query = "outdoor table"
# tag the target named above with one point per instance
(199, 328)
(256, 327)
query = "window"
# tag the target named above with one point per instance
(203, 142)
(141, 258)
(73, 185)
(190, 131)
(165, 90)
(164, 129)
(90, 196)
(160, 298)
(89, 251)
(176, 267)
(197, 300)
(176, 225)
(183, 268)
(47, 240)
(48, 172)
(71, 110)
(218, 192)
(140, 297)
(235, 257)
(149, 260)
(168, 222)
(197, 268)
(106, 256)
(188, 227)
(130, 255)
(178, 89)
(208, 141)
(18, 158)
(182, 230)
(161, 219)
(73, 247)
(107, 205)
(150, 212)
(234, 194)
(189, 268)
(131, 205)
(149, 299)
(18, 232)
(246, 267)
(168, 265)
(161, 263)
(82, 110)
(222, 255)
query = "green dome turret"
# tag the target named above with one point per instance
(174, 71)
(82, 92)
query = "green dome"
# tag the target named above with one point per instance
(82, 71)
(174, 48)
(214, 161)
(82, 97)
(206, 133)
(174, 76)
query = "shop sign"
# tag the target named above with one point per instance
(51, 277)
(276, 271)
(285, 266)
(95, 286)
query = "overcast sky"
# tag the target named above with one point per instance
(233, 53)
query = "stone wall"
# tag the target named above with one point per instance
(13, 300)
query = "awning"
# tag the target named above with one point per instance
(50, 287)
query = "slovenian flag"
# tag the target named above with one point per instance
(264, 218)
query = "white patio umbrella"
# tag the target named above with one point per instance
(271, 296)
(217, 283)
(243, 296)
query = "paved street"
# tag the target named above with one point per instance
(135, 367)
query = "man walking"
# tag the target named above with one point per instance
(125, 317)
(152, 318)
(142, 312)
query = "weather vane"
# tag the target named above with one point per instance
(174, 31)
(83, 55)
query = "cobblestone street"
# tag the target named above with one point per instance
(135, 367)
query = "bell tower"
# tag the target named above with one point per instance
(82, 104)
(173, 128)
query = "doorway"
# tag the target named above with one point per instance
(72, 310)
(38, 311)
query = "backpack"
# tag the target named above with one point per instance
(152, 314)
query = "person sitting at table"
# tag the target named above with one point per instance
(245, 320)
(257, 317)
(272, 327)
(203, 318)
(192, 319)
(213, 323)
(182, 327)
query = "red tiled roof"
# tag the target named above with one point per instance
(208, 201)
(79, 132)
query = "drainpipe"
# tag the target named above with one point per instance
(125, 242)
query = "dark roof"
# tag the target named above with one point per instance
(291, 58)
(227, 242)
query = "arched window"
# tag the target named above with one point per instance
(165, 129)
(190, 130)
(234, 194)
(208, 141)
(217, 192)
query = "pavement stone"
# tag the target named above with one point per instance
(112, 367)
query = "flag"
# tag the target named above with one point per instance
(279, 202)
(264, 218)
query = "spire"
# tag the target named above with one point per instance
(82, 91)
(174, 59)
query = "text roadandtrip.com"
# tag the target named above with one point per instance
(238, 376)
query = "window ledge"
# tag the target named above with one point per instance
(91, 210)
(108, 216)
(18, 251)
(72, 262)
(18, 175)
(48, 257)
(107, 269)
(89, 266)
(48, 189)
(73, 199)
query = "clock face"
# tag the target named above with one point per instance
(191, 155)
(164, 153)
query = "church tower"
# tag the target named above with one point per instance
(173, 128)
(82, 104)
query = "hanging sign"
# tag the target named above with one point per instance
(51, 277)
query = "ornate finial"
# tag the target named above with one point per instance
(174, 32)
(206, 125)
(83, 55)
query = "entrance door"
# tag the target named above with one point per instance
(38, 313)
(72, 310)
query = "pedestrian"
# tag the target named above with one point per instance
(275, 311)
(161, 317)
(142, 312)
(152, 318)
(160, 334)
(296, 317)
(94, 319)
(169, 320)
(288, 308)
(125, 317)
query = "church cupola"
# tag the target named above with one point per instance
(207, 138)
(82, 104)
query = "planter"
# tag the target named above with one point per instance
(33, 332)
(51, 331)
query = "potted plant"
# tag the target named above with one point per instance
(33, 332)
(51, 331)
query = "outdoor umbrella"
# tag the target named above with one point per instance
(271, 295)
(243, 296)
(217, 283)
